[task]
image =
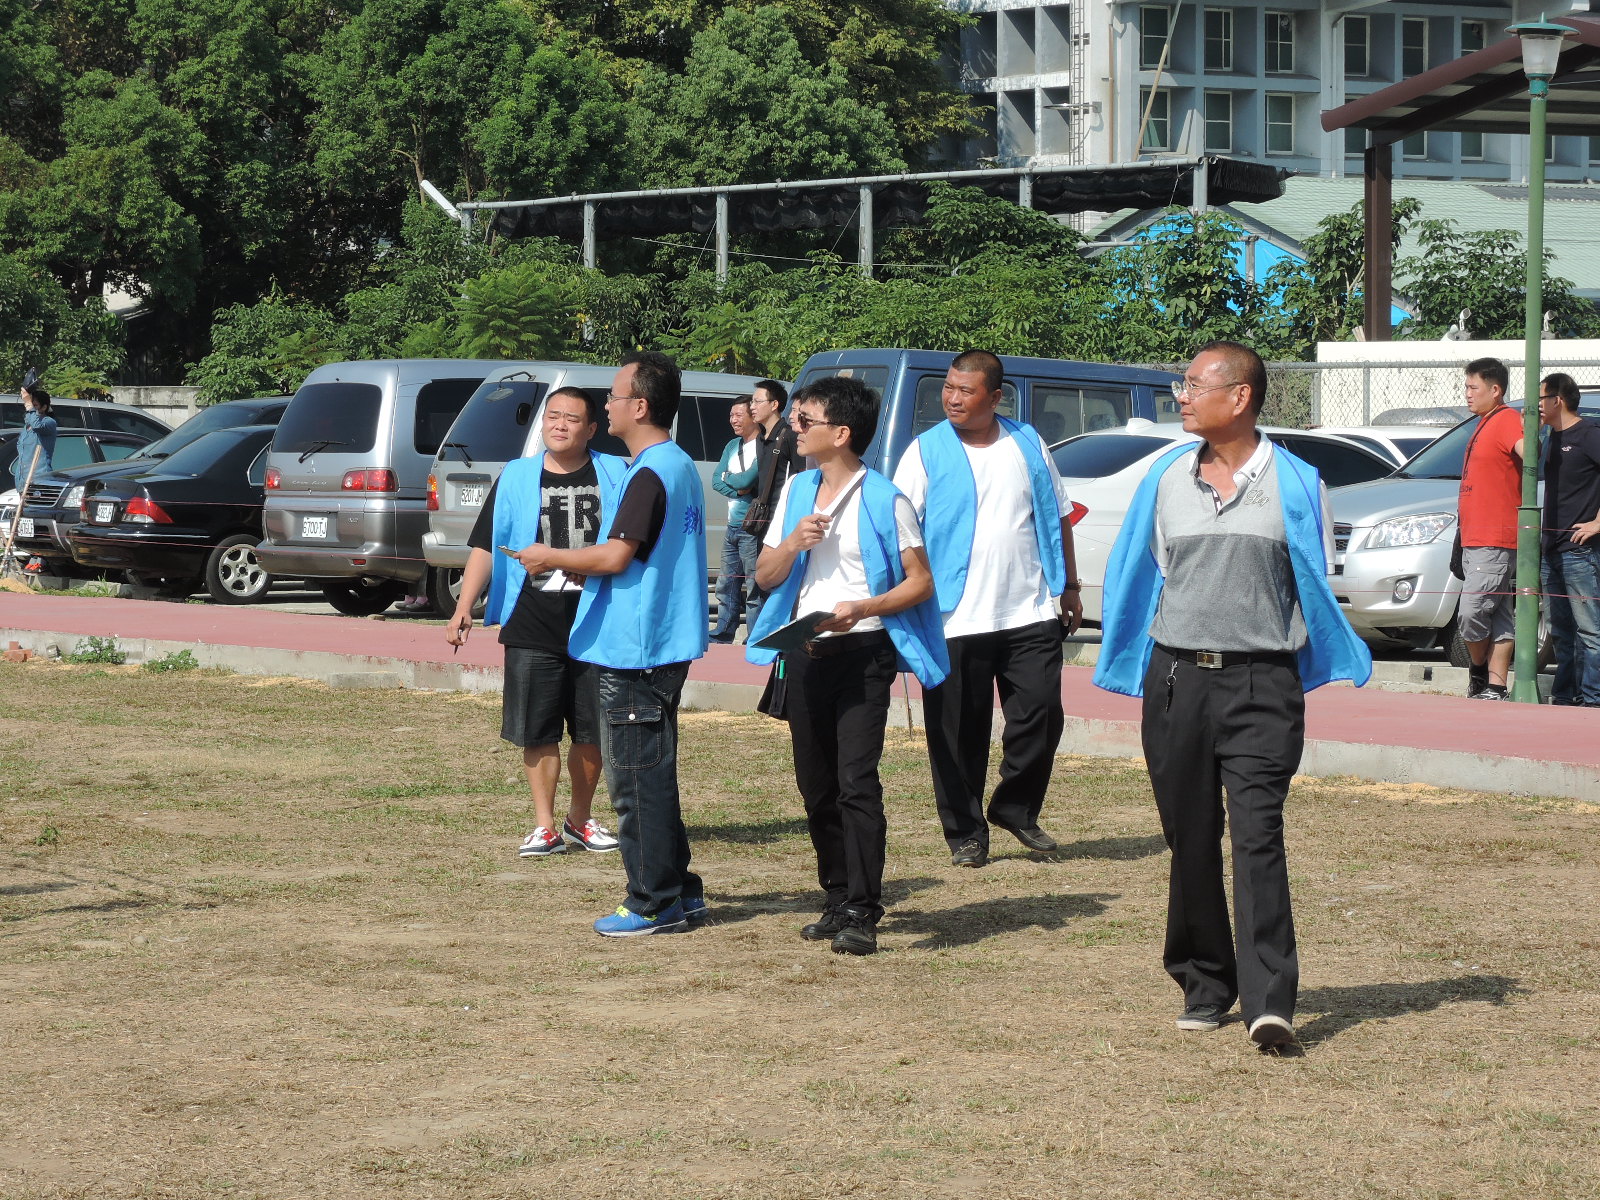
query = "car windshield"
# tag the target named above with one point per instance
(1442, 459)
(220, 416)
(1094, 456)
(494, 424)
(342, 417)
(200, 455)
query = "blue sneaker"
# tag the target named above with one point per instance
(625, 923)
(695, 910)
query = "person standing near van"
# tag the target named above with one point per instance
(641, 620)
(736, 479)
(557, 498)
(38, 432)
(992, 504)
(776, 460)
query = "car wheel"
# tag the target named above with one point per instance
(360, 597)
(233, 573)
(444, 592)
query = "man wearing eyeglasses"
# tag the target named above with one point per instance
(1571, 562)
(993, 506)
(1218, 612)
(640, 621)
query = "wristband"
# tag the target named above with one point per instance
(1073, 585)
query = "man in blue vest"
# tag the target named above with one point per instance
(993, 505)
(1218, 612)
(558, 498)
(844, 541)
(641, 621)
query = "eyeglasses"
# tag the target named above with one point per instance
(805, 422)
(610, 396)
(1180, 387)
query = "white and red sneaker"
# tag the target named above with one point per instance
(541, 842)
(593, 837)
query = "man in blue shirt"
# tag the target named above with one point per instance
(641, 620)
(735, 478)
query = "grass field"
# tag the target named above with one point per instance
(260, 939)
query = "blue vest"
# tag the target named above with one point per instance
(517, 504)
(652, 613)
(1134, 581)
(917, 632)
(951, 512)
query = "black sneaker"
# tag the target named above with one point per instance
(1201, 1018)
(825, 927)
(1492, 691)
(858, 937)
(1477, 680)
(971, 853)
(1032, 837)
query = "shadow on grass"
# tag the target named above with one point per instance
(105, 906)
(1345, 1007)
(807, 904)
(971, 923)
(1117, 849)
(751, 833)
(33, 889)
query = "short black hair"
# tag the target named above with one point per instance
(847, 402)
(1566, 387)
(773, 388)
(657, 378)
(981, 360)
(1491, 370)
(578, 393)
(740, 401)
(1245, 365)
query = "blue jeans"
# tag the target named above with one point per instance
(639, 744)
(739, 553)
(1572, 591)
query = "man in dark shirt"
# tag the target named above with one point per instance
(1571, 566)
(777, 457)
(545, 688)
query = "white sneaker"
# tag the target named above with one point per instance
(593, 837)
(541, 842)
(1271, 1033)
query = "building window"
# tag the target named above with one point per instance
(1472, 147)
(1594, 150)
(1155, 26)
(1474, 35)
(1219, 39)
(1280, 123)
(1355, 140)
(1219, 121)
(1357, 46)
(1280, 43)
(1415, 146)
(1549, 147)
(1413, 46)
(1158, 125)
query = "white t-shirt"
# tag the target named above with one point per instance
(1006, 586)
(835, 572)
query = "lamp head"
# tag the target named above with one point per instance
(1541, 46)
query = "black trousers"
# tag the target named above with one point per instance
(1025, 664)
(1239, 728)
(837, 710)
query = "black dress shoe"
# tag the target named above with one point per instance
(825, 927)
(971, 853)
(858, 937)
(1032, 837)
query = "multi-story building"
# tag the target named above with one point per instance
(1108, 81)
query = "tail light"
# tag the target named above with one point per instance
(433, 493)
(379, 479)
(1077, 513)
(142, 510)
(274, 479)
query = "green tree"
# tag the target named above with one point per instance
(521, 311)
(264, 349)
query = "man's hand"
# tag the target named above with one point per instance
(1582, 533)
(808, 533)
(846, 614)
(459, 627)
(1071, 611)
(534, 558)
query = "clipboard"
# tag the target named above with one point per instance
(796, 633)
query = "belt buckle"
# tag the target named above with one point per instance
(1210, 659)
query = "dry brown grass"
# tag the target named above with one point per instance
(272, 941)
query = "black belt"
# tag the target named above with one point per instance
(845, 643)
(1215, 660)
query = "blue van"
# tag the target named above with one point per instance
(1060, 399)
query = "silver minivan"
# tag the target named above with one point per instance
(502, 421)
(347, 477)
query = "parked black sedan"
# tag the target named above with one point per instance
(192, 521)
(51, 505)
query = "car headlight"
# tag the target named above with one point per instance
(73, 498)
(1408, 531)
(10, 498)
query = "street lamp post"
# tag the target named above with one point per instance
(1541, 50)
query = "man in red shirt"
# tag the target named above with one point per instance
(1491, 489)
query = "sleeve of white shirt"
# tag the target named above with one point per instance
(906, 523)
(1056, 481)
(911, 477)
(779, 516)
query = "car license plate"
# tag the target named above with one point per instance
(314, 527)
(104, 514)
(471, 495)
(25, 527)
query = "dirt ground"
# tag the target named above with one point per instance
(260, 939)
